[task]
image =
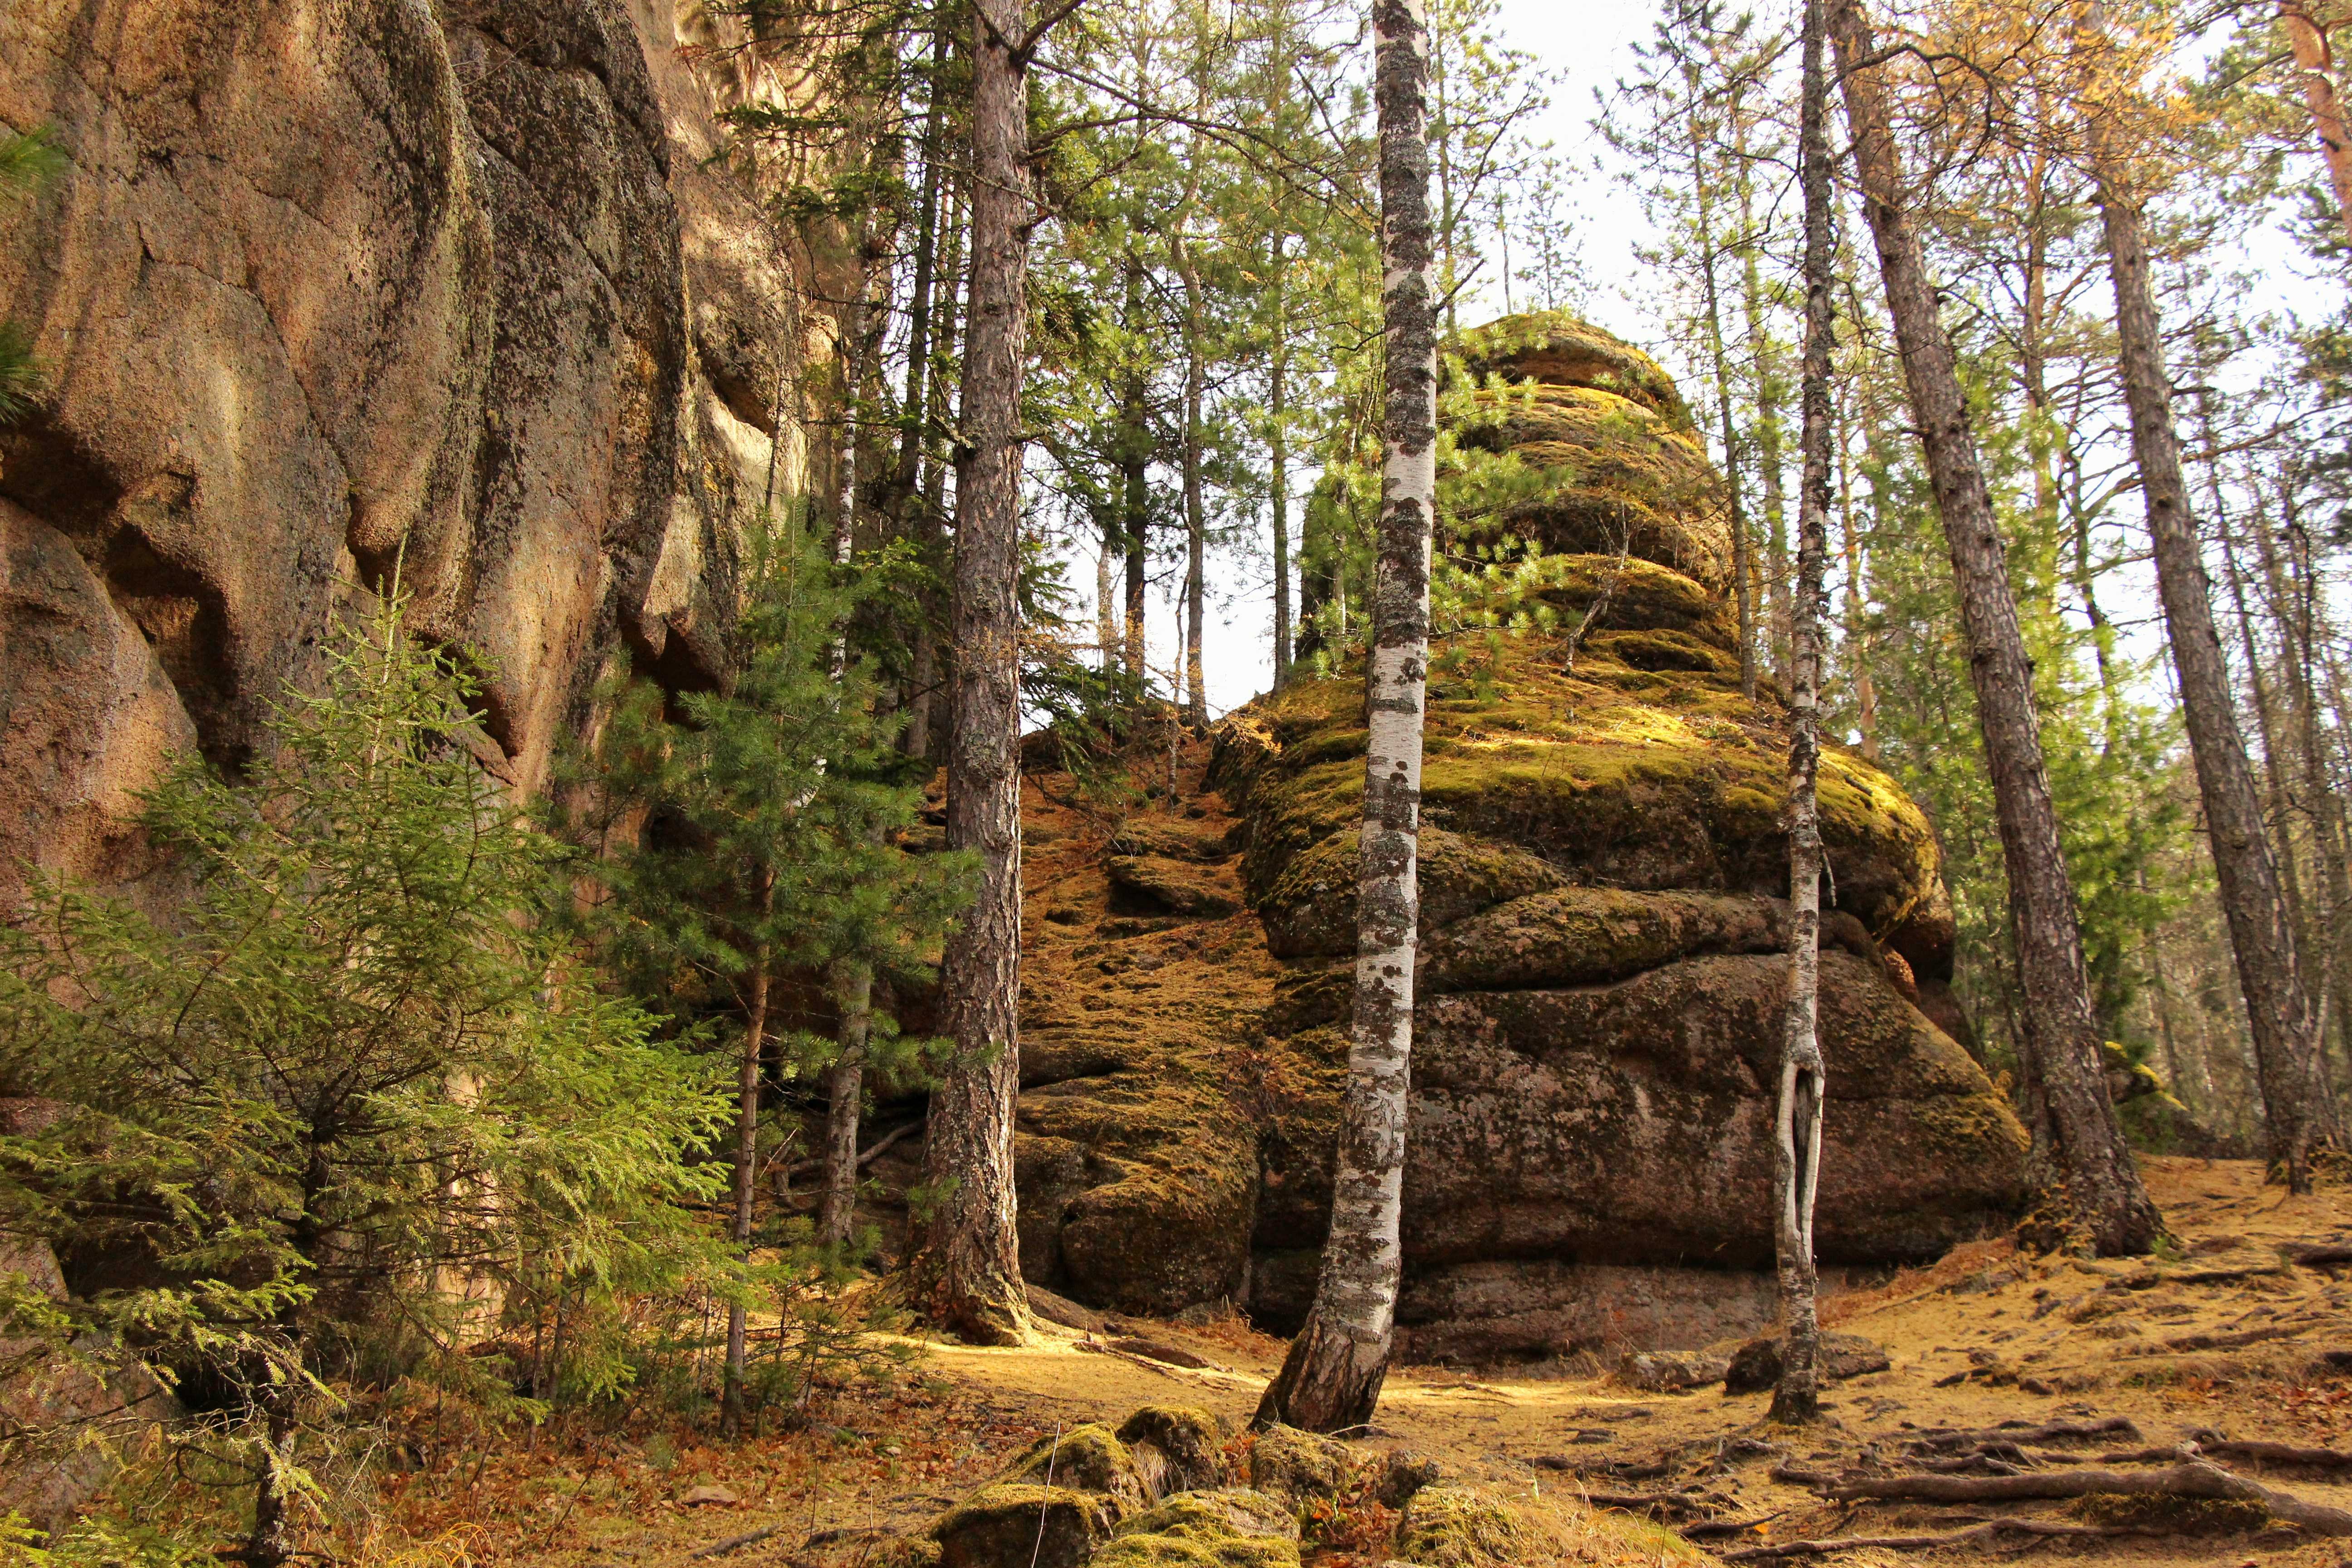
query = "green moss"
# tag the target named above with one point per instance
(1454, 1527)
(1189, 1444)
(1087, 1459)
(1556, 346)
(1301, 1466)
(1231, 1529)
(1007, 1522)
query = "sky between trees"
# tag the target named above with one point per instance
(1588, 47)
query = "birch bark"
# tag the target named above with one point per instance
(1331, 1378)
(1797, 1144)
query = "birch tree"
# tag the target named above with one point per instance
(1797, 1148)
(1332, 1376)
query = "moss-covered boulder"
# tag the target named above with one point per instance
(1222, 1529)
(1300, 1466)
(1088, 1458)
(1178, 1447)
(1012, 1525)
(1603, 883)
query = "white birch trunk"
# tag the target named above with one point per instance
(1331, 1379)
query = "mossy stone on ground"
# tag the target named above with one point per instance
(1009, 1525)
(1088, 1458)
(1455, 1526)
(1232, 1529)
(1301, 1466)
(1184, 1444)
(1161, 884)
(1220, 1510)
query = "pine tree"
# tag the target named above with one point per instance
(361, 1059)
(748, 835)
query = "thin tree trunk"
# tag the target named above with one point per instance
(928, 726)
(1106, 602)
(2262, 930)
(1797, 1148)
(2109, 1204)
(1865, 689)
(746, 1165)
(1331, 1378)
(845, 1090)
(1767, 401)
(2315, 65)
(1135, 488)
(911, 409)
(964, 1270)
(1278, 454)
(1196, 515)
(1742, 586)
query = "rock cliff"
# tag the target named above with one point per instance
(333, 291)
(1603, 877)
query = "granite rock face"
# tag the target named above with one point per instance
(1600, 974)
(332, 293)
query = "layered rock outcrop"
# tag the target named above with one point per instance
(333, 292)
(1603, 883)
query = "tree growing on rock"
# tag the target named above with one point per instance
(1331, 1377)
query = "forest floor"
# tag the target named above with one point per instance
(2225, 1335)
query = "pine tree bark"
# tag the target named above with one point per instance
(2261, 931)
(964, 1274)
(845, 1093)
(2110, 1208)
(1796, 1143)
(1278, 460)
(1196, 514)
(1742, 585)
(1331, 1378)
(746, 1167)
(2315, 65)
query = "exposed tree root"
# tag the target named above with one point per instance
(2214, 1444)
(2020, 1433)
(2194, 1479)
(1986, 1532)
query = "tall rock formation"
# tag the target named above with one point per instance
(1601, 964)
(333, 290)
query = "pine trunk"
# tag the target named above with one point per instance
(1743, 589)
(964, 1270)
(2261, 931)
(746, 1173)
(2314, 64)
(1196, 515)
(845, 1090)
(1796, 1147)
(2109, 1207)
(1331, 1378)
(1278, 455)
